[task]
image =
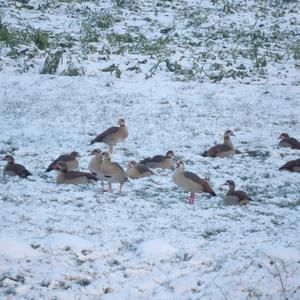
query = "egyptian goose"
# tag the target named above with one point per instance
(112, 135)
(287, 141)
(222, 150)
(95, 162)
(160, 161)
(191, 182)
(69, 159)
(235, 197)
(112, 172)
(136, 171)
(72, 177)
(292, 166)
(12, 169)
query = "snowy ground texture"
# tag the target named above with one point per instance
(180, 72)
(73, 242)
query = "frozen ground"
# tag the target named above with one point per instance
(72, 242)
(156, 63)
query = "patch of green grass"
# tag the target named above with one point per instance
(51, 62)
(73, 70)
(5, 35)
(40, 38)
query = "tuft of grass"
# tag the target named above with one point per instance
(5, 35)
(73, 70)
(51, 62)
(40, 39)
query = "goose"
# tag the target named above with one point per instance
(70, 160)
(136, 171)
(112, 172)
(222, 150)
(72, 177)
(96, 162)
(112, 135)
(292, 166)
(287, 141)
(191, 182)
(235, 197)
(13, 169)
(160, 161)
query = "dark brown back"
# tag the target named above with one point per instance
(102, 135)
(291, 164)
(18, 169)
(143, 169)
(75, 174)
(156, 158)
(64, 158)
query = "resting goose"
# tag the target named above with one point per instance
(292, 166)
(160, 161)
(69, 159)
(112, 172)
(13, 169)
(287, 141)
(135, 170)
(191, 182)
(112, 135)
(235, 197)
(222, 150)
(72, 177)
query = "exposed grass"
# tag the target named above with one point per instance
(213, 42)
(73, 70)
(52, 62)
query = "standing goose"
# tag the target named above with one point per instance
(112, 172)
(70, 160)
(72, 177)
(235, 197)
(160, 161)
(112, 135)
(12, 169)
(191, 182)
(135, 170)
(96, 162)
(287, 141)
(222, 150)
(292, 166)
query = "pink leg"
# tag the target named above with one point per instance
(111, 149)
(192, 198)
(109, 187)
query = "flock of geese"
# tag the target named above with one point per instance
(102, 168)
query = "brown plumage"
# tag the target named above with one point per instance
(13, 169)
(136, 171)
(69, 159)
(72, 177)
(222, 150)
(191, 182)
(292, 166)
(112, 135)
(96, 162)
(160, 161)
(112, 172)
(287, 141)
(235, 197)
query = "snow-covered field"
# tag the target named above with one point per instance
(181, 73)
(73, 242)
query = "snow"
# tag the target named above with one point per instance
(158, 249)
(148, 243)
(74, 242)
(12, 248)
